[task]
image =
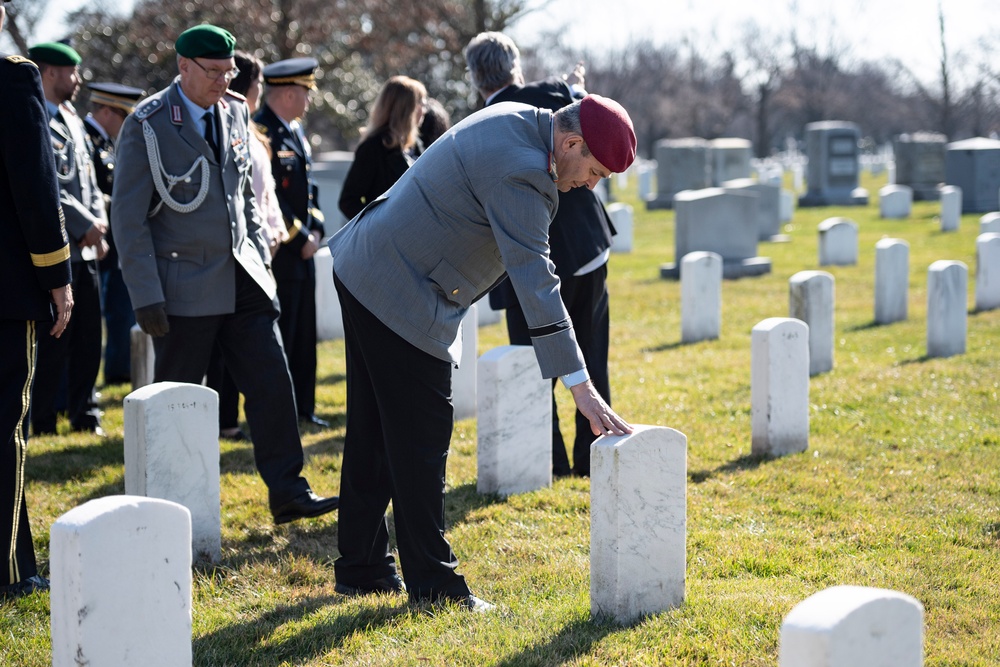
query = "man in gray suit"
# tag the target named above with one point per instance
(475, 207)
(195, 260)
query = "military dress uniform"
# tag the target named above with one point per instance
(77, 353)
(118, 316)
(34, 259)
(195, 262)
(298, 197)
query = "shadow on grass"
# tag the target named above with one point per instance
(867, 325)
(668, 346)
(745, 462)
(332, 378)
(574, 640)
(74, 461)
(254, 641)
(238, 458)
(464, 500)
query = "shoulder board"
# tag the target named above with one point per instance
(236, 96)
(18, 60)
(260, 126)
(148, 109)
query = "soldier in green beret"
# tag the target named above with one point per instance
(77, 354)
(196, 261)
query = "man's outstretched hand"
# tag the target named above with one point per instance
(603, 420)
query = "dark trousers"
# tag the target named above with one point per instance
(221, 380)
(118, 322)
(77, 353)
(586, 299)
(252, 352)
(399, 423)
(17, 363)
(298, 330)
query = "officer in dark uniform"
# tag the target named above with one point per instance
(289, 84)
(35, 273)
(77, 355)
(110, 103)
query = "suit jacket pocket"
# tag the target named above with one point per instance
(181, 273)
(454, 286)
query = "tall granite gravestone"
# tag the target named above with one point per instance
(951, 208)
(719, 221)
(142, 357)
(919, 160)
(621, 218)
(681, 164)
(989, 223)
(838, 242)
(701, 296)
(767, 209)
(729, 159)
(329, 319)
(779, 387)
(974, 166)
(463, 378)
(172, 452)
(638, 523)
(895, 202)
(832, 177)
(329, 170)
(892, 280)
(514, 428)
(811, 296)
(987, 271)
(121, 584)
(853, 626)
(947, 289)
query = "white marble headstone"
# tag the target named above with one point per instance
(895, 201)
(989, 223)
(514, 422)
(463, 378)
(892, 280)
(947, 291)
(329, 319)
(988, 271)
(951, 208)
(838, 242)
(172, 452)
(786, 205)
(811, 298)
(779, 386)
(486, 314)
(142, 356)
(638, 523)
(853, 626)
(121, 584)
(621, 218)
(701, 296)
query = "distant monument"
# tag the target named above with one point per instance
(832, 174)
(974, 166)
(681, 164)
(920, 163)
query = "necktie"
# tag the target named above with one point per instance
(209, 119)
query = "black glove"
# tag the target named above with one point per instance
(153, 319)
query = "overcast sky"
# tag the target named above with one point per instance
(904, 29)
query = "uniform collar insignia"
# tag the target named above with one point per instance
(176, 116)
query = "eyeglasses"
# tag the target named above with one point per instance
(214, 74)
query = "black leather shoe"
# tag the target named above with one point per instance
(474, 604)
(90, 427)
(237, 436)
(25, 587)
(390, 584)
(305, 506)
(314, 420)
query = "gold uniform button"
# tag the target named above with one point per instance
(454, 291)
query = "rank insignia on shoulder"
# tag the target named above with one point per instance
(17, 60)
(148, 109)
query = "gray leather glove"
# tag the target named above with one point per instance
(153, 319)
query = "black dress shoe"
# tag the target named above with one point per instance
(237, 436)
(25, 587)
(390, 584)
(314, 420)
(305, 506)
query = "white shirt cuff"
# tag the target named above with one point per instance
(576, 378)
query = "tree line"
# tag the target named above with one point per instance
(764, 87)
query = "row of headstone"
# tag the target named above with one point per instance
(693, 163)
(896, 202)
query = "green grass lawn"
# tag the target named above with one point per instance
(900, 489)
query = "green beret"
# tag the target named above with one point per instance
(54, 53)
(206, 41)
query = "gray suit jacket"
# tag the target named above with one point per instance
(79, 194)
(477, 203)
(187, 259)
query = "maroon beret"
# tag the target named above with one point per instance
(608, 131)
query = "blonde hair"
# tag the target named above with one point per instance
(395, 109)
